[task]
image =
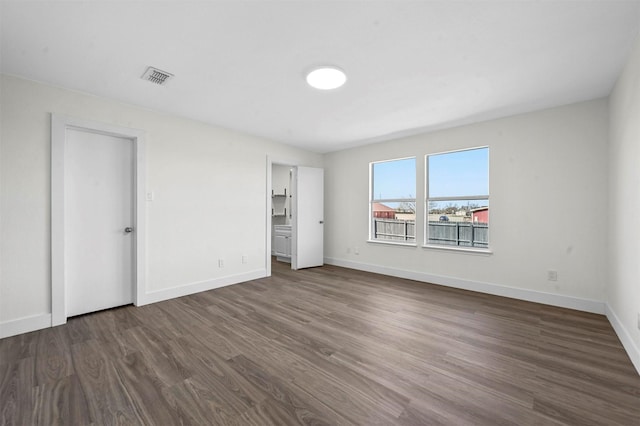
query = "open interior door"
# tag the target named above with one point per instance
(308, 218)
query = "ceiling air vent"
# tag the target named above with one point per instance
(156, 76)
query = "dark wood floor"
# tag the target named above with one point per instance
(323, 346)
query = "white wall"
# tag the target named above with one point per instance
(623, 292)
(548, 183)
(210, 193)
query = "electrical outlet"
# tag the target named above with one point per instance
(356, 250)
(220, 263)
(150, 196)
(552, 275)
(348, 250)
(245, 258)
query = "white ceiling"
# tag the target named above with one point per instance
(412, 66)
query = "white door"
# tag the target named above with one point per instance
(98, 210)
(308, 222)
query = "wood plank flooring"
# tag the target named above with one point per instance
(323, 346)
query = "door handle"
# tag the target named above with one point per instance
(128, 230)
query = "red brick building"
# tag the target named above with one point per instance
(383, 212)
(480, 215)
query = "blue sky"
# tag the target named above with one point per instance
(395, 179)
(461, 173)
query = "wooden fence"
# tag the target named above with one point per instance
(462, 234)
(394, 229)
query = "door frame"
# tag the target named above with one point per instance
(59, 125)
(270, 163)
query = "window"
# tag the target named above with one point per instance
(458, 198)
(392, 205)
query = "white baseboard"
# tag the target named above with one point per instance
(579, 304)
(625, 338)
(570, 302)
(24, 325)
(38, 322)
(197, 287)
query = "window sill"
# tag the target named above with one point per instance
(393, 243)
(466, 250)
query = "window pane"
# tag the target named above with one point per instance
(394, 221)
(459, 174)
(394, 179)
(461, 223)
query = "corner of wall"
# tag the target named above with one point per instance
(625, 338)
(623, 294)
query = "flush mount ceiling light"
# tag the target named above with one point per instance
(326, 78)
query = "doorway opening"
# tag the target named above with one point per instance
(295, 211)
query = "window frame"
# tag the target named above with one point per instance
(427, 200)
(373, 200)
